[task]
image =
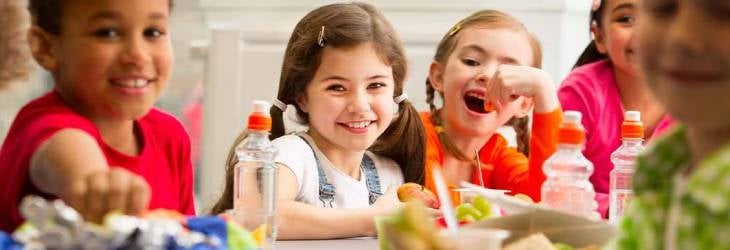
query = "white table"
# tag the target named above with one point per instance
(362, 243)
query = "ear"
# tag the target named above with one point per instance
(42, 44)
(525, 107)
(436, 76)
(302, 102)
(598, 38)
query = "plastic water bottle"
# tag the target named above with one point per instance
(254, 182)
(624, 164)
(567, 187)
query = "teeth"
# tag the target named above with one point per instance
(358, 124)
(139, 83)
(475, 95)
(131, 83)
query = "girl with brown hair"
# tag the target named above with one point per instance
(343, 72)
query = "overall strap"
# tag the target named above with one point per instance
(326, 189)
(372, 179)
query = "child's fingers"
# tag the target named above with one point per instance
(491, 97)
(139, 195)
(76, 196)
(119, 185)
(96, 198)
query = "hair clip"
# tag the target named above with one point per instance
(455, 29)
(279, 104)
(400, 98)
(596, 5)
(439, 129)
(320, 40)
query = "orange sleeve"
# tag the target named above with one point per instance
(514, 171)
(543, 143)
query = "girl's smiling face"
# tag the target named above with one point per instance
(350, 98)
(462, 80)
(615, 35)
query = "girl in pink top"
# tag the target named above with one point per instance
(604, 83)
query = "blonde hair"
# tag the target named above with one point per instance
(487, 19)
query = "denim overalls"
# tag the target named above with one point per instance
(327, 190)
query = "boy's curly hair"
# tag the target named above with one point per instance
(15, 57)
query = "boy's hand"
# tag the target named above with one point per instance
(512, 81)
(108, 190)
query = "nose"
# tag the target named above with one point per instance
(486, 73)
(684, 33)
(359, 102)
(136, 51)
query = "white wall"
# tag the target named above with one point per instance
(247, 68)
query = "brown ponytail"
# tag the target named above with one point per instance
(522, 131)
(404, 141)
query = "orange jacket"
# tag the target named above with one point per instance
(503, 167)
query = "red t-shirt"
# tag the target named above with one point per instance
(164, 161)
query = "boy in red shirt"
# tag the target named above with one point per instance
(95, 141)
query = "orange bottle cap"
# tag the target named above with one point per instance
(259, 119)
(571, 131)
(632, 126)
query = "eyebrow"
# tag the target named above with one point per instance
(112, 15)
(105, 15)
(623, 6)
(345, 79)
(479, 49)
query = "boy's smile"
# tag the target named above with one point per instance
(112, 58)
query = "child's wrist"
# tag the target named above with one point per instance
(547, 98)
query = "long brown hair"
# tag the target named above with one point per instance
(489, 19)
(346, 25)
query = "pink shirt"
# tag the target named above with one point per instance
(592, 90)
(164, 161)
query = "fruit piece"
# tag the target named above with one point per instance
(489, 106)
(484, 206)
(259, 235)
(467, 212)
(239, 238)
(524, 198)
(441, 222)
(413, 191)
(561, 246)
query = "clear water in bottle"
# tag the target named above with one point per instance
(254, 181)
(567, 186)
(624, 164)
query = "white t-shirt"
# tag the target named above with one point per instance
(295, 154)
